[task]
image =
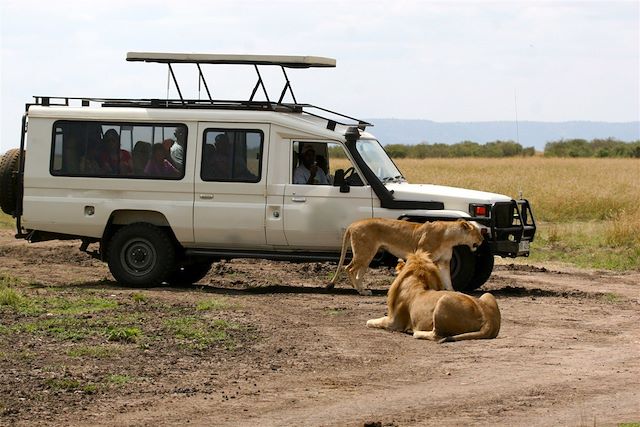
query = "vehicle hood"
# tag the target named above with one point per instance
(452, 197)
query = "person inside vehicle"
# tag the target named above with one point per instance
(323, 164)
(177, 148)
(141, 154)
(113, 160)
(88, 163)
(308, 171)
(221, 162)
(158, 165)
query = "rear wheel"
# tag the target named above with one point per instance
(463, 265)
(8, 184)
(141, 254)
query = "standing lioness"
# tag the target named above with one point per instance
(403, 238)
(414, 304)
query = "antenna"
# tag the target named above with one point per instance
(515, 103)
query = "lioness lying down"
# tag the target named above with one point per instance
(402, 238)
(415, 304)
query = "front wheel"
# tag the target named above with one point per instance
(484, 267)
(462, 267)
(141, 254)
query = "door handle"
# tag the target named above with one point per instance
(206, 196)
(298, 199)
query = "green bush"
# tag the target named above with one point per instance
(461, 149)
(602, 148)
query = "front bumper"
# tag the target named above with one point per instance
(511, 226)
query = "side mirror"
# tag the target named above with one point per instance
(338, 181)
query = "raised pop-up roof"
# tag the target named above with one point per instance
(282, 61)
(203, 58)
(255, 61)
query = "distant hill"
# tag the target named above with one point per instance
(531, 134)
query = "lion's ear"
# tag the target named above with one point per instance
(466, 225)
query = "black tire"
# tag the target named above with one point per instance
(484, 267)
(9, 164)
(189, 274)
(386, 259)
(463, 266)
(141, 254)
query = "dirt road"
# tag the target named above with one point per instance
(293, 353)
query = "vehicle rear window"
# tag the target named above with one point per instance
(118, 150)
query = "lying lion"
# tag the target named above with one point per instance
(402, 238)
(416, 304)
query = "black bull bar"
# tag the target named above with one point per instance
(512, 228)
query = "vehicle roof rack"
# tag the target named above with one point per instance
(282, 61)
(203, 58)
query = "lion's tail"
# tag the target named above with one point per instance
(343, 254)
(490, 325)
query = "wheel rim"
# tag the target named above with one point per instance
(138, 257)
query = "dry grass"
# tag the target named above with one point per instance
(6, 221)
(587, 209)
(560, 190)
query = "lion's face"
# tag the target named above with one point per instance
(472, 235)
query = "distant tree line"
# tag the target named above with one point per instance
(461, 149)
(609, 147)
(595, 148)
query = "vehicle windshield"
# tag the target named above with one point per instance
(378, 161)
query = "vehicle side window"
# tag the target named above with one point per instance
(319, 163)
(118, 150)
(232, 155)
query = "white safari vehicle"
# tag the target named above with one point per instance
(167, 186)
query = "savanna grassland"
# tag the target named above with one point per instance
(587, 210)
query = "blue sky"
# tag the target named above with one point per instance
(442, 61)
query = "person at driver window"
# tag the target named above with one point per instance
(308, 171)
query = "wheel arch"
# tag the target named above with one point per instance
(123, 217)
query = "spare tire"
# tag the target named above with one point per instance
(9, 164)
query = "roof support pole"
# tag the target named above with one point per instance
(176, 83)
(287, 85)
(205, 83)
(258, 84)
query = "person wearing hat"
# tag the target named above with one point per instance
(308, 171)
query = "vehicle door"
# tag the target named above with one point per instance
(317, 210)
(229, 205)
